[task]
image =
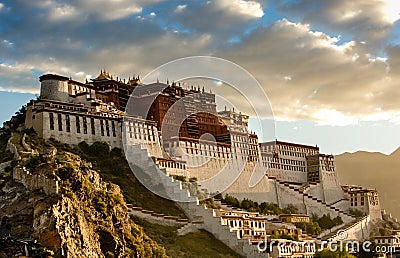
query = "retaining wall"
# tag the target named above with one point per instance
(35, 182)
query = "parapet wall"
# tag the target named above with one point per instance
(35, 182)
(4, 165)
(13, 149)
(156, 218)
(24, 144)
(359, 230)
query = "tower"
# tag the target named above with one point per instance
(54, 87)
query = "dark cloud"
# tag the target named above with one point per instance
(222, 18)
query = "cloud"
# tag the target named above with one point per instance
(18, 78)
(225, 18)
(63, 12)
(1, 7)
(363, 20)
(93, 9)
(329, 81)
(241, 7)
(180, 8)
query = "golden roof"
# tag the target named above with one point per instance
(103, 76)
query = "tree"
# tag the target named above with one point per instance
(19, 118)
(311, 228)
(245, 204)
(326, 222)
(357, 213)
(230, 200)
(290, 209)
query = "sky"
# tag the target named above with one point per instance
(330, 68)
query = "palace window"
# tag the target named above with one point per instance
(102, 127)
(84, 125)
(51, 121)
(78, 125)
(59, 118)
(107, 128)
(67, 123)
(113, 128)
(92, 126)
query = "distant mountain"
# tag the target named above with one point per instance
(373, 170)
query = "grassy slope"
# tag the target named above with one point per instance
(197, 244)
(114, 168)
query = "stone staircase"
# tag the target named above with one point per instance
(336, 202)
(185, 226)
(352, 228)
(156, 218)
(212, 223)
(329, 207)
(201, 217)
(155, 179)
(189, 228)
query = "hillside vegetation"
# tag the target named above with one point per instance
(113, 167)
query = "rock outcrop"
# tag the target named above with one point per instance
(85, 217)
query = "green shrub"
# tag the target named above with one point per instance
(326, 222)
(357, 213)
(249, 205)
(311, 227)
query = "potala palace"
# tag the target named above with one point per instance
(184, 135)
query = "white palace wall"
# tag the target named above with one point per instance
(137, 132)
(81, 128)
(72, 124)
(332, 190)
(263, 191)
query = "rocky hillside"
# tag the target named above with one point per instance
(58, 200)
(58, 204)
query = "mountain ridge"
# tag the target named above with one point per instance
(395, 152)
(373, 170)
